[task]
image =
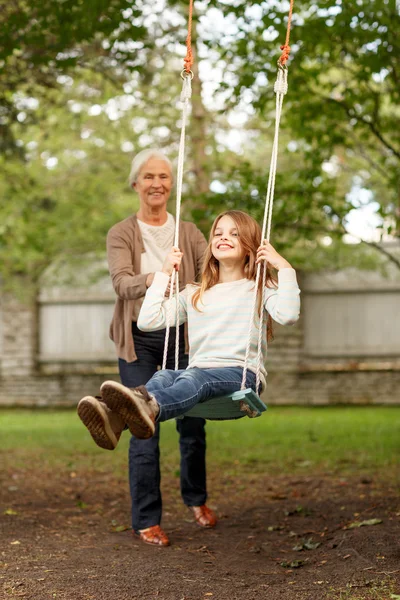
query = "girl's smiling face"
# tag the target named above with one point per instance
(225, 244)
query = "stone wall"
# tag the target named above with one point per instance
(18, 337)
(22, 380)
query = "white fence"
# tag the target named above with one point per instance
(351, 314)
(74, 324)
(345, 315)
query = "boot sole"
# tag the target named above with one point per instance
(122, 401)
(94, 417)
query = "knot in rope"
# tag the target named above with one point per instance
(281, 84)
(286, 48)
(188, 60)
(285, 54)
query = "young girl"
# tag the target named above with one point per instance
(218, 313)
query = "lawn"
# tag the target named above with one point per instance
(289, 440)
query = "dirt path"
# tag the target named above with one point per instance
(62, 537)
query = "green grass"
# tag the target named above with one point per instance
(284, 440)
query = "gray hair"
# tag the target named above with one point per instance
(141, 159)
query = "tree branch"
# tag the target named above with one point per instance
(339, 233)
(369, 124)
(382, 250)
(380, 137)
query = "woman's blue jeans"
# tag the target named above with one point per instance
(178, 391)
(144, 455)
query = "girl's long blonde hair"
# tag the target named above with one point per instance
(249, 233)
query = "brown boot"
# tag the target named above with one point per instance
(135, 406)
(103, 424)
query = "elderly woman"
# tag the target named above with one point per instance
(136, 249)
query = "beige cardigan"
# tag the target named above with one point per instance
(124, 247)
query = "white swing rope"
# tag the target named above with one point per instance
(280, 89)
(174, 281)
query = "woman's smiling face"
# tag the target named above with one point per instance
(154, 183)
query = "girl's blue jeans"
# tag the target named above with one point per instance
(178, 391)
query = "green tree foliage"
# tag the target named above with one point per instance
(73, 183)
(42, 40)
(83, 89)
(342, 109)
(86, 84)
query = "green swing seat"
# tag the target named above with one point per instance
(224, 408)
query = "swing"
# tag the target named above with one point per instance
(245, 401)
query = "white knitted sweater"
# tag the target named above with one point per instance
(218, 333)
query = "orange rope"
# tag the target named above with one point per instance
(188, 62)
(286, 48)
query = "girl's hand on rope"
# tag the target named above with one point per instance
(173, 261)
(267, 252)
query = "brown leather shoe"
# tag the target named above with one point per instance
(204, 516)
(154, 536)
(103, 424)
(135, 406)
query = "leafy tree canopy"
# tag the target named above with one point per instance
(86, 84)
(43, 40)
(342, 108)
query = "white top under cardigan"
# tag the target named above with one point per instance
(218, 334)
(158, 241)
